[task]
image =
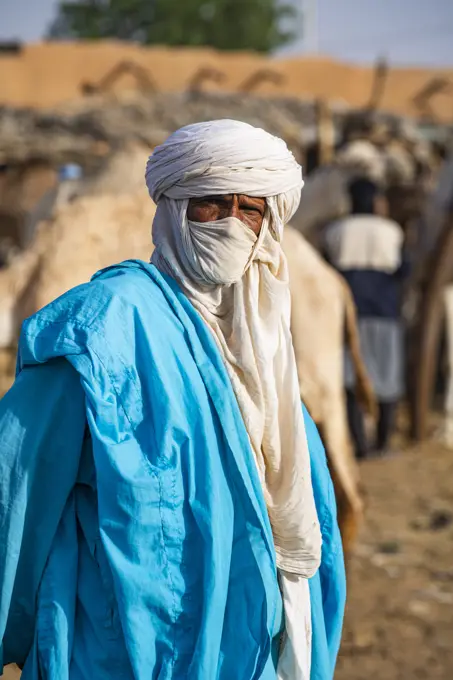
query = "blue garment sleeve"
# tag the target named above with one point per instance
(328, 586)
(42, 421)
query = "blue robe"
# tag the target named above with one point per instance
(134, 538)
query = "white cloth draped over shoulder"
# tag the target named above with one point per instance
(239, 285)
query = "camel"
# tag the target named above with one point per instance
(108, 218)
(433, 283)
(20, 282)
(92, 232)
(86, 235)
(22, 186)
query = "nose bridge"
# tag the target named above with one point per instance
(234, 207)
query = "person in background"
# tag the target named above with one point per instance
(367, 249)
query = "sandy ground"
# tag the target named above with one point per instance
(399, 622)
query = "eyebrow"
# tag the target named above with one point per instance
(224, 197)
(255, 201)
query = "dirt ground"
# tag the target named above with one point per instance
(399, 621)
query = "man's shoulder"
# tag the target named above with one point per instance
(388, 223)
(110, 296)
(363, 223)
(339, 224)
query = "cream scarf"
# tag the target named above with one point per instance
(239, 285)
(250, 319)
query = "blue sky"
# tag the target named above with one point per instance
(415, 32)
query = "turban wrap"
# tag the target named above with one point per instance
(223, 157)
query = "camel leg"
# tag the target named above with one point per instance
(448, 301)
(344, 472)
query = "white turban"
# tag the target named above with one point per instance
(238, 282)
(222, 157)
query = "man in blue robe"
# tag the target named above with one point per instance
(159, 515)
